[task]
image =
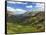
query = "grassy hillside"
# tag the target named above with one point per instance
(25, 24)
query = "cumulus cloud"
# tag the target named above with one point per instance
(16, 11)
(20, 3)
(20, 11)
(12, 2)
(10, 9)
(40, 6)
(30, 6)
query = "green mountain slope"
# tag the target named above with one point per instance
(23, 24)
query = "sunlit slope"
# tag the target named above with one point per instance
(21, 23)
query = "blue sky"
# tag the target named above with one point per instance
(22, 7)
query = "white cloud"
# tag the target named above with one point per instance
(15, 11)
(20, 11)
(10, 9)
(20, 3)
(40, 6)
(11, 2)
(30, 6)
